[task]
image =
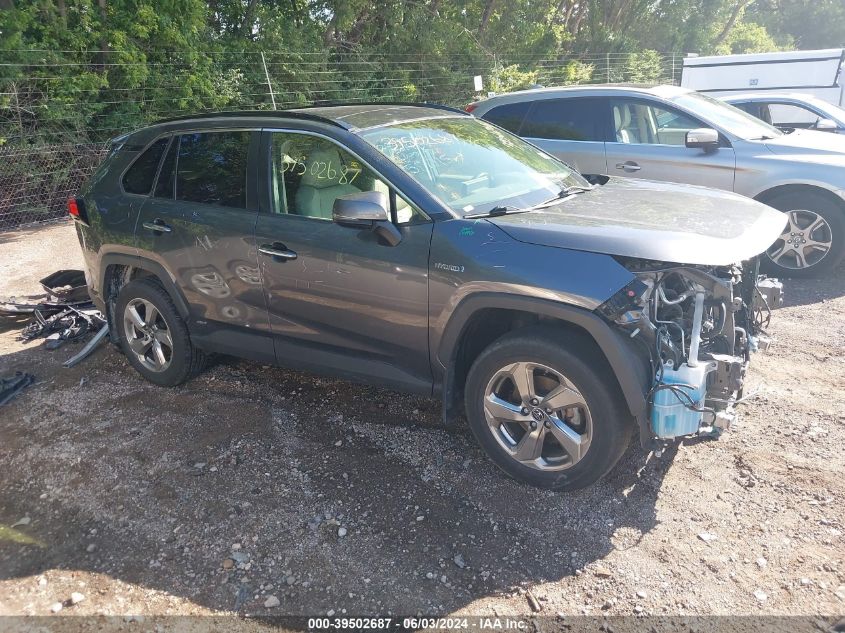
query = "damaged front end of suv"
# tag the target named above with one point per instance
(693, 307)
(698, 326)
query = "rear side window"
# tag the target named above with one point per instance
(509, 115)
(565, 120)
(211, 168)
(139, 177)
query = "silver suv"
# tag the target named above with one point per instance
(674, 134)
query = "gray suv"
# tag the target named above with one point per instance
(677, 135)
(422, 249)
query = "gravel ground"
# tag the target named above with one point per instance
(252, 485)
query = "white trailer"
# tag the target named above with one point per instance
(818, 73)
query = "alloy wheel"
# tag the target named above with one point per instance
(148, 335)
(804, 242)
(538, 416)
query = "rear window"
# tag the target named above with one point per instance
(565, 120)
(212, 168)
(509, 115)
(139, 177)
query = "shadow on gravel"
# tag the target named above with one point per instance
(25, 232)
(160, 483)
(798, 292)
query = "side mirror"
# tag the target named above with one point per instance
(825, 125)
(703, 138)
(364, 208)
(367, 209)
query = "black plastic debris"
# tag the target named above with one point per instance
(67, 286)
(10, 386)
(68, 324)
(65, 314)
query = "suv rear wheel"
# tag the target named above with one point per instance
(813, 242)
(544, 412)
(153, 336)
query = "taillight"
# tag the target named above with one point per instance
(76, 210)
(470, 107)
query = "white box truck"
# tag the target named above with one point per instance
(818, 73)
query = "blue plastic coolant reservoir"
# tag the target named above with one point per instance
(670, 417)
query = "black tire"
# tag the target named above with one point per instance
(590, 375)
(831, 212)
(185, 360)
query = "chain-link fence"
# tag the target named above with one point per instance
(59, 108)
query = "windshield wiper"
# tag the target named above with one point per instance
(497, 211)
(563, 193)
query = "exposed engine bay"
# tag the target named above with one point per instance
(698, 325)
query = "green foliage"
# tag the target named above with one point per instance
(747, 37)
(801, 24)
(94, 68)
(644, 67)
(511, 78)
(576, 72)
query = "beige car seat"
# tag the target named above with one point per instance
(621, 122)
(404, 212)
(320, 185)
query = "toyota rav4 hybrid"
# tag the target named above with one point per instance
(418, 247)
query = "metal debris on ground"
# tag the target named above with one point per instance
(89, 347)
(65, 314)
(10, 386)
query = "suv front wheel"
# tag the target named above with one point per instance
(154, 336)
(546, 412)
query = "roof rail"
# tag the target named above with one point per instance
(258, 113)
(415, 104)
(301, 112)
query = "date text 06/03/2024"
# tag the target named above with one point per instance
(416, 623)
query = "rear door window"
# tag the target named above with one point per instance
(566, 120)
(509, 115)
(211, 168)
(140, 176)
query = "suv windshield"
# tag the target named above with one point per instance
(471, 166)
(726, 117)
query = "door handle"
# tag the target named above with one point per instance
(628, 165)
(276, 250)
(157, 226)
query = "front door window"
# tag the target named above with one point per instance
(789, 115)
(309, 173)
(641, 123)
